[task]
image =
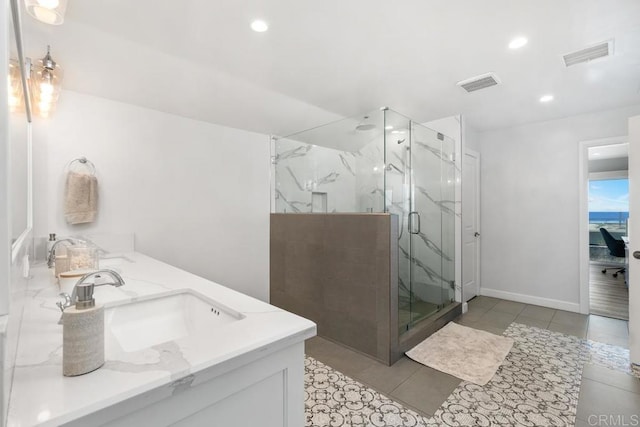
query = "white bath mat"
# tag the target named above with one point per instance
(463, 352)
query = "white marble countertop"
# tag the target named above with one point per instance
(41, 395)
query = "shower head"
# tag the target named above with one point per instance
(400, 141)
(363, 126)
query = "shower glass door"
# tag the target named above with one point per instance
(420, 189)
(425, 223)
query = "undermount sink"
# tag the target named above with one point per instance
(146, 322)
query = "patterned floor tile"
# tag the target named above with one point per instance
(333, 399)
(538, 384)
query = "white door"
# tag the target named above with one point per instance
(470, 225)
(633, 275)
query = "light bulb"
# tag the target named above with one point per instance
(49, 4)
(46, 97)
(46, 88)
(44, 106)
(48, 16)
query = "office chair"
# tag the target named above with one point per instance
(616, 249)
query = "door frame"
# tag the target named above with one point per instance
(583, 212)
(477, 197)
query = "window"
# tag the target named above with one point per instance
(608, 208)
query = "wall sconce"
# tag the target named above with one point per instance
(16, 95)
(46, 79)
(47, 11)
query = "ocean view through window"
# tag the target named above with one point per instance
(609, 209)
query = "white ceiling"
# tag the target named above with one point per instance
(322, 60)
(613, 151)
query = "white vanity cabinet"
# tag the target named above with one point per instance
(246, 372)
(267, 393)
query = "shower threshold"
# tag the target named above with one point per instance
(427, 326)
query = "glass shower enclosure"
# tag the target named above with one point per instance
(381, 162)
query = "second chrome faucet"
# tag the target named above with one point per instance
(82, 295)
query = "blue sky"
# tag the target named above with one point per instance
(611, 195)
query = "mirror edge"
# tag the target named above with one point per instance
(18, 244)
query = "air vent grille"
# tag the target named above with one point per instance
(600, 50)
(479, 82)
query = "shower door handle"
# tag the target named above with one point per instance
(411, 224)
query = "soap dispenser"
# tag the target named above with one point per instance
(82, 333)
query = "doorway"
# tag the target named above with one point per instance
(604, 225)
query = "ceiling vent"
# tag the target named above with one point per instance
(601, 50)
(479, 82)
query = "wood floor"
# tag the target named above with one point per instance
(608, 296)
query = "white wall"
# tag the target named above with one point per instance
(529, 188)
(195, 194)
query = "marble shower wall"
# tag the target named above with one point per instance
(348, 181)
(370, 176)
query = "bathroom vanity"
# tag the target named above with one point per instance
(179, 350)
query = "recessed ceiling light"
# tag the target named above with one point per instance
(259, 26)
(546, 98)
(518, 42)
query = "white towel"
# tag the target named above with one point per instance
(81, 198)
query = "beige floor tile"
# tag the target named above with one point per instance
(475, 312)
(568, 318)
(611, 377)
(426, 390)
(482, 301)
(577, 330)
(497, 319)
(608, 339)
(606, 326)
(583, 423)
(465, 321)
(537, 312)
(509, 307)
(498, 330)
(530, 321)
(386, 378)
(345, 360)
(597, 399)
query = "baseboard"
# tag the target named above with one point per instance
(529, 299)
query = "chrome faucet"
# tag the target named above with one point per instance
(82, 295)
(52, 252)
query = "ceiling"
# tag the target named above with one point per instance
(609, 158)
(612, 151)
(323, 60)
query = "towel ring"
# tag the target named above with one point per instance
(84, 162)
